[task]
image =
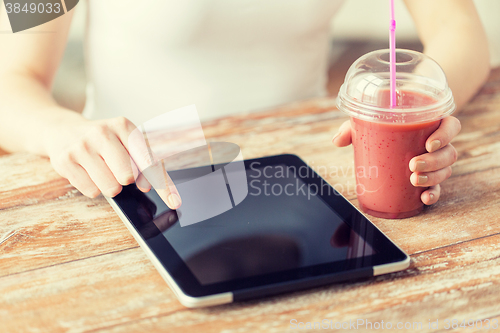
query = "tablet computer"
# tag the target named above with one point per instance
(291, 231)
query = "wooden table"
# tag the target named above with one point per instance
(68, 264)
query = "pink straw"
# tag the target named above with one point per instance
(392, 58)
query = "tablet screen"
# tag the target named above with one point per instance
(281, 225)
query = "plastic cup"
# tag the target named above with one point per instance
(385, 139)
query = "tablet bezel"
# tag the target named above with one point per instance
(191, 293)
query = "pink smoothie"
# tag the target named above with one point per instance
(382, 152)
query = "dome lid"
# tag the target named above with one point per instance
(421, 88)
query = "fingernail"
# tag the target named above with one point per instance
(336, 136)
(431, 196)
(434, 145)
(173, 200)
(420, 166)
(421, 180)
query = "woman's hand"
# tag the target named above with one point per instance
(99, 156)
(429, 169)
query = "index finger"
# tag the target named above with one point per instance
(447, 130)
(141, 154)
(132, 139)
(165, 188)
(138, 149)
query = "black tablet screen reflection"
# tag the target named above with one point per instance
(267, 232)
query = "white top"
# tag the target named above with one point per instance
(225, 56)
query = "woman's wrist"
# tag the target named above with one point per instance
(58, 124)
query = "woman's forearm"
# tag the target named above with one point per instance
(465, 60)
(27, 113)
(453, 35)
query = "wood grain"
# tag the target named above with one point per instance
(125, 294)
(67, 263)
(60, 231)
(460, 281)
